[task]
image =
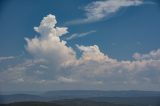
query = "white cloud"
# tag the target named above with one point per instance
(92, 67)
(78, 35)
(92, 53)
(99, 10)
(48, 45)
(154, 55)
(55, 65)
(66, 80)
(6, 58)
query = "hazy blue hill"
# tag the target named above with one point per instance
(125, 97)
(94, 93)
(20, 97)
(137, 101)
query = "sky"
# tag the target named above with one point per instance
(79, 45)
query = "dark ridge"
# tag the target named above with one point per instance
(31, 104)
(73, 102)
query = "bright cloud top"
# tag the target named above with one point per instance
(55, 64)
(98, 10)
(49, 45)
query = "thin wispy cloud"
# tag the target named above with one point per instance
(6, 58)
(79, 35)
(98, 10)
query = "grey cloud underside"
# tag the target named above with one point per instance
(55, 65)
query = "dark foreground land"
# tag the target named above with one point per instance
(30, 104)
(65, 103)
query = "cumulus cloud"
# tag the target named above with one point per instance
(93, 65)
(48, 45)
(55, 65)
(99, 10)
(92, 53)
(154, 55)
(79, 35)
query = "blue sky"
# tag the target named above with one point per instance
(125, 32)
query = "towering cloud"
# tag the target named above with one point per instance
(48, 45)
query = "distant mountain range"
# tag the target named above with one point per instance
(87, 97)
(95, 93)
